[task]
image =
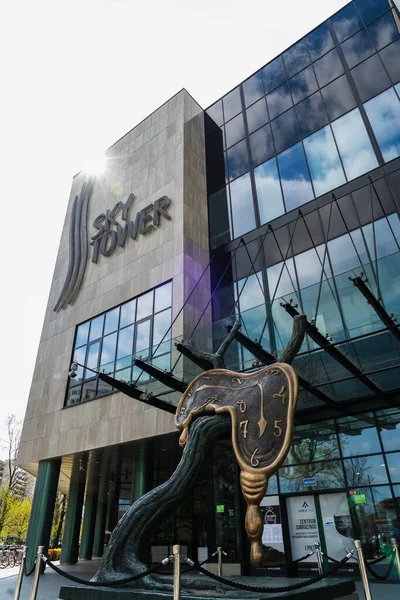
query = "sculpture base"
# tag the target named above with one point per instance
(332, 589)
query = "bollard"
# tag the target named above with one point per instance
(36, 575)
(397, 554)
(319, 558)
(220, 552)
(20, 574)
(363, 571)
(176, 552)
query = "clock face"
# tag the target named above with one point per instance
(261, 406)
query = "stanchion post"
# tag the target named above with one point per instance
(396, 554)
(36, 575)
(20, 574)
(176, 552)
(363, 570)
(319, 558)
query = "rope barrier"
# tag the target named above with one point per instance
(387, 572)
(376, 560)
(275, 565)
(29, 573)
(331, 559)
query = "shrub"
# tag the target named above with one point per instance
(54, 554)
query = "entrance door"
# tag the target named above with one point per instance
(303, 525)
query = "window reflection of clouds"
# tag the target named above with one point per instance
(242, 205)
(357, 48)
(384, 241)
(279, 101)
(370, 78)
(125, 342)
(144, 306)
(346, 22)
(303, 84)
(161, 323)
(111, 323)
(354, 146)
(383, 30)
(128, 313)
(82, 334)
(370, 9)
(238, 162)
(215, 112)
(323, 160)
(311, 114)
(343, 254)
(257, 115)
(384, 115)
(261, 145)
(251, 292)
(296, 58)
(273, 74)
(328, 67)
(287, 279)
(232, 104)
(142, 336)
(319, 42)
(253, 89)
(285, 130)
(338, 97)
(96, 328)
(234, 130)
(108, 349)
(163, 296)
(390, 56)
(309, 266)
(295, 178)
(269, 194)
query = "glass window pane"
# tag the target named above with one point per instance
(80, 356)
(253, 89)
(346, 255)
(281, 279)
(238, 160)
(323, 161)
(384, 115)
(319, 42)
(285, 130)
(383, 30)
(251, 292)
(108, 349)
(370, 9)
(144, 306)
(219, 219)
(92, 357)
(311, 114)
(111, 323)
(365, 470)
(357, 48)
(273, 74)
(329, 474)
(125, 342)
(279, 101)
(390, 57)
(163, 297)
(384, 240)
(346, 22)
(328, 68)
(128, 313)
(303, 84)
(96, 328)
(296, 58)
(162, 322)
(358, 436)
(242, 206)
(309, 267)
(124, 375)
(257, 115)
(354, 146)
(313, 442)
(74, 395)
(370, 78)
(393, 461)
(232, 104)
(162, 362)
(261, 144)
(215, 112)
(82, 334)
(338, 97)
(142, 337)
(234, 130)
(295, 179)
(269, 194)
(389, 426)
(89, 390)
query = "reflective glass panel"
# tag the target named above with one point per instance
(346, 22)
(370, 9)
(253, 89)
(232, 104)
(346, 252)
(393, 461)
(303, 84)
(163, 297)
(338, 97)
(389, 426)
(251, 292)
(108, 349)
(383, 30)
(92, 357)
(238, 161)
(96, 328)
(384, 115)
(269, 194)
(82, 334)
(357, 48)
(142, 336)
(162, 321)
(279, 101)
(319, 42)
(144, 306)
(357, 436)
(111, 323)
(329, 474)
(390, 57)
(311, 114)
(295, 178)
(365, 470)
(281, 279)
(285, 130)
(89, 390)
(296, 58)
(234, 130)
(323, 161)
(262, 146)
(125, 342)
(309, 266)
(242, 206)
(215, 112)
(354, 146)
(313, 442)
(257, 115)
(219, 219)
(127, 313)
(382, 237)
(273, 74)
(328, 68)
(370, 78)
(74, 395)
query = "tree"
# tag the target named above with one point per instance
(58, 520)
(17, 518)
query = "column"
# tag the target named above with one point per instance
(44, 498)
(139, 487)
(76, 492)
(101, 515)
(113, 497)
(89, 515)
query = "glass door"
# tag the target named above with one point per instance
(336, 524)
(303, 525)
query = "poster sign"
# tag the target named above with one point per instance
(302, 526)
(220, 508)
(272, 537)
(309, 481)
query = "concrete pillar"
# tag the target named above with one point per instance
(102, 502)
(113, 496)
(76, 492)
(41, 518)
(139, 487)
(89, 514)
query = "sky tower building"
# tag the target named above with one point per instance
(281, 198)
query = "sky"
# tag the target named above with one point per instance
(77, 75)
